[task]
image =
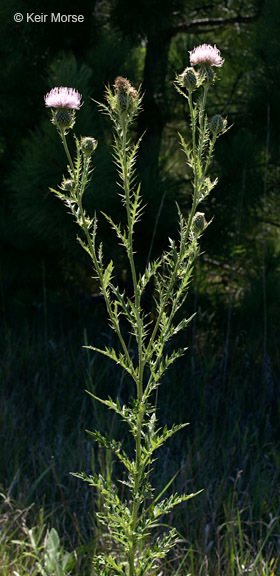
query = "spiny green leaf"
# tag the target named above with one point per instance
(116, 447)
(118, 358)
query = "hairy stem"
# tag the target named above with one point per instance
(65, 145)
(141, 362)
(196, 168)
(86, 227)
(126, 185)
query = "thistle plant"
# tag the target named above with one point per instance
(131, 510)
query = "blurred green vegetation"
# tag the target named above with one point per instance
(228, 384)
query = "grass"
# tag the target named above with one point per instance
(230, 449)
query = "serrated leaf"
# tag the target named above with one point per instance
(118, 358)
(111, 444)
(107, 274)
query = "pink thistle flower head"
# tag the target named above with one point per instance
(206, 55)
(63, 98)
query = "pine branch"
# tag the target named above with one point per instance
(204, 25)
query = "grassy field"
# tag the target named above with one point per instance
(230, 450)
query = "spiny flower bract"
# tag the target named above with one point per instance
(88, 145)
(217, 124)
(188, 79)
(126, 96)
(63, 97)
(198, 223)
(206, 55)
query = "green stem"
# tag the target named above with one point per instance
(210, 152)
(127, 197)
(197, 153)
(64, 142)
(126, 183)
(202, 131)
(135, 495)
(141, 363)
(193, 122)
(81, 188)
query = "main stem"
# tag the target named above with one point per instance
(126, 184)
(141, 364)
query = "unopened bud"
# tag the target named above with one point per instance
(217, 124)
(198, 223)
(127, 95)
(88, 145)
(67, 185)
(122, 85)
(188, 79)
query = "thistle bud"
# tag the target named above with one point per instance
(64, 118)
(88, 145)
(122, 85)
(67, 185)
(217, 124)
(206, 75)
(188, 79)
(127, 95)
(198, 223)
